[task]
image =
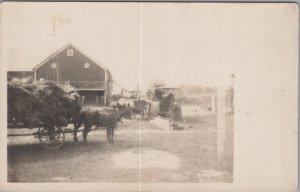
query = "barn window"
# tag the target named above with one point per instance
(86, 65)
(53, 65)
(70, 52)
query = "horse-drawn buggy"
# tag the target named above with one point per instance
(165, 102)
(169, 99)
(49, 108)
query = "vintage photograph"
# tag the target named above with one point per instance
(114, 95)
(144, 96)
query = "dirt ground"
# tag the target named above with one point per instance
(142, 152)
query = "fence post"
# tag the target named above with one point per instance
(213, 104)
(221, 127)
(105, 97)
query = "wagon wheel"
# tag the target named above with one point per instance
(176, 113)
(51, 139)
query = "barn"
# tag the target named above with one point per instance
(70, 66)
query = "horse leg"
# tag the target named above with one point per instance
(85, 133)
(78, 121)
(108, 133)
(76, 127)
(112, 133)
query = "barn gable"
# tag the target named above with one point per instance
(70, 65)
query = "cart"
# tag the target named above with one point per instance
(46, 106)
(169, 102)
(50, 137)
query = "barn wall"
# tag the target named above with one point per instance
(94, 83)
(92, 97)
(71, 68)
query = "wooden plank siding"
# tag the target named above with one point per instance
(71, 69)
(94, 83)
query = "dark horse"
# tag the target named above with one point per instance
(100, 117)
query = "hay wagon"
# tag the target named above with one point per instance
(49, 137)
(46, 107)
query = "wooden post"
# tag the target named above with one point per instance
(97, 99)
(221, 127)
(213, 104)
(105, 86)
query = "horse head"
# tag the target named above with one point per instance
(124, 111)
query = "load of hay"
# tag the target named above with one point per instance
(41, 103)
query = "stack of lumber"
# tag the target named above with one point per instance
(41, 103)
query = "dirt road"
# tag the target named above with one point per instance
(161, 155)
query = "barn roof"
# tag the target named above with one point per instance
(62, 49)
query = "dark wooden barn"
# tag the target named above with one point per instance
(70, 66)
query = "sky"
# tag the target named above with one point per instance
(179, 44)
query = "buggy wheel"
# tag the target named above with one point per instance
(176, 113)
(51, 138)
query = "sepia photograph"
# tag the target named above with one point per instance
(144, 93)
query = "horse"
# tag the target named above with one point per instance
(141, 109)
(100, 117)
(138, 113)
